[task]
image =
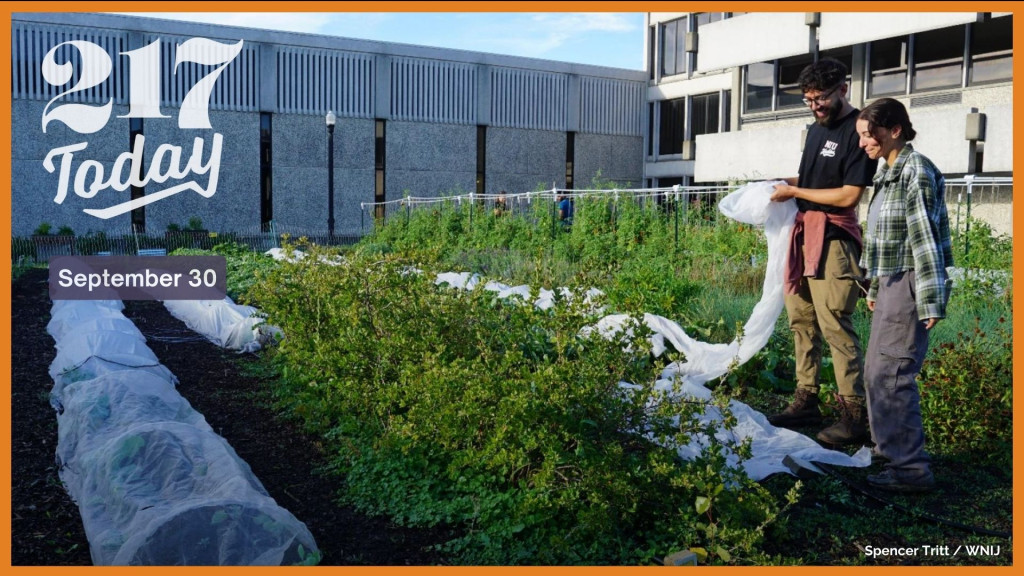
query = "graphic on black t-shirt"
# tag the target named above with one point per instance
(833, 158)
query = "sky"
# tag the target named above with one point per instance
(602, 39)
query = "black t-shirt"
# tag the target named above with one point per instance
(832, 158)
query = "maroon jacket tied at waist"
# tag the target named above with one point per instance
(809, 233)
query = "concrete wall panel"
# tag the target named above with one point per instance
(749, 154)
(619, 159)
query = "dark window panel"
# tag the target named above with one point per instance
(991, 51)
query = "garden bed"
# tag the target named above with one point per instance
(46, 527)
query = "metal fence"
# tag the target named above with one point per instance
(968, 200)
(688, 205)
(987, 199)
(972, 198)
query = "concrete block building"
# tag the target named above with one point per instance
(411, 120)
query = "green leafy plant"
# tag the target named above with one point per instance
(966, 389)
(977, 246)
(505, 422)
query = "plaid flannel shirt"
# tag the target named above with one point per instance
(912, 230)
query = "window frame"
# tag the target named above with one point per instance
(722, 98)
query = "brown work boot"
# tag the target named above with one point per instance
(802, 411)
(851, 428)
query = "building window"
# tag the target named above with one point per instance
(775, 85)
(650, 129)
(889, 62)
(991, 51)
(673, 47)
(790, 95)
(760, 83)
(570, 159)
(481, 159)
(651, 39)
(935, 60)
(704, 115)
(138, 216)
(939, 59)
(266, 170)
(726, 111)
(672, 126)
(379, 167)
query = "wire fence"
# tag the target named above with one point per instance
(972, 198)
(987, 199)
(969, 199)
(685, 205)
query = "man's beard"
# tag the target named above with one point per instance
(834, 108)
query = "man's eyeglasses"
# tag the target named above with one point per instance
(822, 99)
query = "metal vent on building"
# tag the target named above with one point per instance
(611, 106)
(528, 99)
(936, 99)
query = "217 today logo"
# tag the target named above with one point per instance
(144, 102)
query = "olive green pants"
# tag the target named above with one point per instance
(823, 309)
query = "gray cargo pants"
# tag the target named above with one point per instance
(896, 350)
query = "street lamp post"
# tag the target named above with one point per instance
(331, 119)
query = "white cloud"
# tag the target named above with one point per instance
(586, 22)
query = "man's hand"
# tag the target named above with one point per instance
(871, 305)
(783, 192)
(930, 323)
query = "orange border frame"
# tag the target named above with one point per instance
(377, 6)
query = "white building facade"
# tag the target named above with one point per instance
(724, 104)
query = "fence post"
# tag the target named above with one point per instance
(615, 212)
(408, 209)
(967, 228)
(675, 211)
(472, 206)
(554, 215)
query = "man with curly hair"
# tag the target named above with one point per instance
(823, 278)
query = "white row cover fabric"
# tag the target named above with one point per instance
(703, 362)
(226, 324)
(154, 483)
(94, 339)
(545, 301)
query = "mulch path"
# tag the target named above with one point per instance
(46, 526)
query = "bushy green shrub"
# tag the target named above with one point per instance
(502, 421)
(977, 246)
(966, 389)
(244, 267)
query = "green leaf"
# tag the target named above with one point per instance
(703, 504)
(723, 554)
(702, 554)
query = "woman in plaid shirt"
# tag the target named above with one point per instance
(907, 248)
